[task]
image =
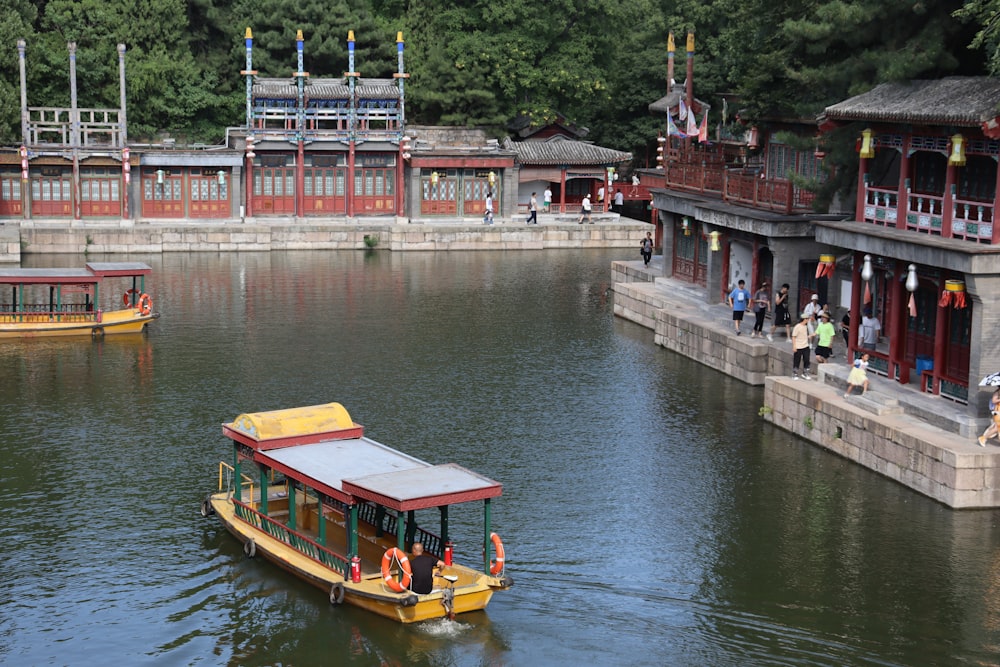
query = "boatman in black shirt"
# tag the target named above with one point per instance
(423, 566)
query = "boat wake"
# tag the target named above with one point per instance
(442, 627)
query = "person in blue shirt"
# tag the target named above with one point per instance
(739, 298)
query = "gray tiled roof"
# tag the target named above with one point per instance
(559, 151)
(673, 98)
(327, 89)
(954, 100)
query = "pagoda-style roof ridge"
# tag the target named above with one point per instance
(559, 150)
(671, 100)
(953, 100)
(523, 126)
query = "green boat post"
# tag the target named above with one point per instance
(237, 473)
(262, 507)
(291, 504)
(487, 544)
(319, 518)
(352, 532)
(444, 528)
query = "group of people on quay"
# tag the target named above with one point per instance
(814, 333)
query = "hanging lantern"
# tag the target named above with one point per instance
(912, 283)
(957, 156)
(404, 147)
(24, 162)
(686, 226)
(953, 294)
(159, 176)
(713, 241)
(250, 153)
(827, 263)
(221, 176)
(866, 270)
(492, 178)
(434, 178)
(867, 144)
(753, 138)
(126, 165)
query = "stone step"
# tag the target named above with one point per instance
(876, 403)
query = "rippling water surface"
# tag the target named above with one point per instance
(650, 516)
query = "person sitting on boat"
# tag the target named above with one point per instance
(423, 566)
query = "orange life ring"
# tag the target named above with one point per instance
(144, 304)
(496, 566)
(125, 297)
(404, 565)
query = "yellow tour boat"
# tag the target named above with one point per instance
(307, 491)
(69, 302)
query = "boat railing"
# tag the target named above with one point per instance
(44, 312)
(292, 538)
(226, 473)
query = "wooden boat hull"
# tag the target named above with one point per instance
(472, 592)
(129, 320)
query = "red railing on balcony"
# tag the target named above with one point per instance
(738, 185)
(938, 215)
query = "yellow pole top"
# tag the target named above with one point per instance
(350, 35)
(298, 36)
(690, 44)
(249, 34)
(399, 37)
(670, 41)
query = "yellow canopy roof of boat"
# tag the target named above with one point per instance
(294, 422)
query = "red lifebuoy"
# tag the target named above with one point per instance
(144, 304)
(404, 565)
(125, 297)
(496, 566)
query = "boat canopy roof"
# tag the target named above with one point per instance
(293, 426)
(309, 445)
(91, 275)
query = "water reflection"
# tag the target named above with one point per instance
(650, 516)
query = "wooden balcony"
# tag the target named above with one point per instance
(742, 186)
(937, 215)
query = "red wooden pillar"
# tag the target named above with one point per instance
(562, 191)
(349, 190)
(300, 180)
(897, 322)
(903, 187)
(948, 202)
(859, 210)
(249, 177)
(856, 306)
(940, 338)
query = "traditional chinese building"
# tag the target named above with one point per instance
(728, 207)
(924, 250)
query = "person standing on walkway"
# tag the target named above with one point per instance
(600, 195)
(761, 304)
(547, 199)
(782, 318)
(858, 377)
(488, 218)
(646, 248)
(868, 335)
(991, 430)
(800, 345)
(619, 201)
(533, 207)
(825, 334)
(585, 210)
(738, 299)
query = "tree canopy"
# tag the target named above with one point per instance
(486, 62)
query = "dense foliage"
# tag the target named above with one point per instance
(484, 62)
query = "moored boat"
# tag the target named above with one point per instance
(73, 302)
(308, 491)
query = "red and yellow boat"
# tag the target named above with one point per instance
(308, 491)
(68, 302)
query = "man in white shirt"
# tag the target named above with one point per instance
(585, 210)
